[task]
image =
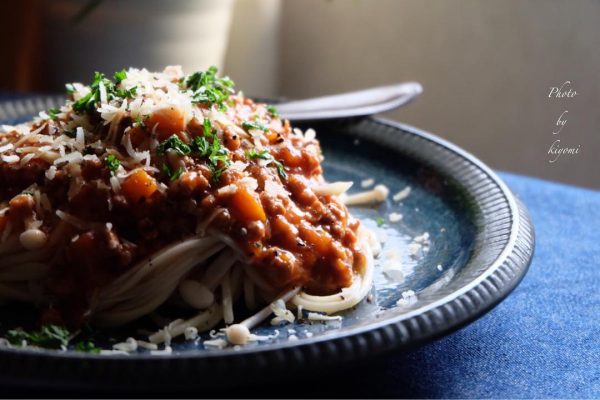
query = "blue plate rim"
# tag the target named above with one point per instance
(402, 331)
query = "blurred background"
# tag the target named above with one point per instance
(486, 66)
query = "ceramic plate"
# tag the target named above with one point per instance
(480, 243)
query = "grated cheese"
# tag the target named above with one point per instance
(79, 139)
(332, 189)
(103, 97)
(313, 316)
(130, 345)
(6, 147)
(147, 345)
(165, 352)
(409, 297)
(395, 217)
(403, 194)
(79, 223)
(218, 343)
(377, 195)
(10, 159)
(365, 183)
(71, 158)
(27, 158)
(282, 314)
(190, 333)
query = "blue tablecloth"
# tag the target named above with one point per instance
(542, 341)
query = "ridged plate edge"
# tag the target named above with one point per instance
(502, 256)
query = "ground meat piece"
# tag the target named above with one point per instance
(330, 275)
(93, 169)
(300, 191)
(192, 183)
(283, 231)
(290, 156)
(109, 253)
(91, 203)
(279, 266)
(255, 231)
(272, 205)
(15, 178)
(231, 140)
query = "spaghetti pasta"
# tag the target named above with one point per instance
(164, 187)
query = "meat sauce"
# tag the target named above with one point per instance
(285, 231)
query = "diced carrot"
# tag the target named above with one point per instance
(246, 207)
(138, 185)
(271, 135)
(170, 122)
(319, 240)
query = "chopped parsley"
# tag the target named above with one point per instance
(280, 169)
(88, 102)
(53, 113)
(206, 146)
(166, 170)
(126, 93)
(380, 221)
(217, 155)
(87, 346)
(120, 76)
(213, 150)
(174, 143)
(112, 162)
(264, 155)
(201, 145)
(254, 125)
(172, 175)
(50, 336)
(216, 172)
(140, 121)
(272, 110)
(207, 89)
(177, 174)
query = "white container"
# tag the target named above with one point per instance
(139, 33)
